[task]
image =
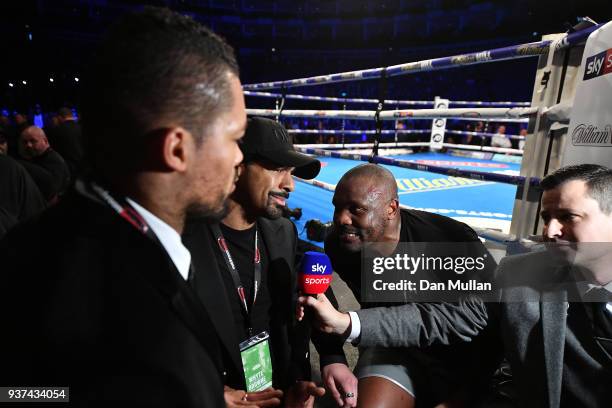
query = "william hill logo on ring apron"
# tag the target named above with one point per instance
(421, 184)
(590, 127)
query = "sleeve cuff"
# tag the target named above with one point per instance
(355, 328)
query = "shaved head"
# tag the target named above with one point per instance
(32, 142)
(381, 179)
(366, 207)
(34, 131)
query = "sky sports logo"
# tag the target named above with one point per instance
(597, 65)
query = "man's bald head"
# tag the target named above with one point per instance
(375, 175)
(366, 208)
(32, 142)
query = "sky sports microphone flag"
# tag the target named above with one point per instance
(315, 273)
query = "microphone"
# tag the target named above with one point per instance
(315, 273)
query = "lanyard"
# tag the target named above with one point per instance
(231, 266)
(125, 211)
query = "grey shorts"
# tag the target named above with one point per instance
(392, 364)
(410, 369)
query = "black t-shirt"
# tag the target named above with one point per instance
(241, 246)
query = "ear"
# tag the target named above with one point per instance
(176, 144)
(393, 209)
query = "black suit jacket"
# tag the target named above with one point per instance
(290, 338)
(50, 172)
(87, 301)
(19, 196)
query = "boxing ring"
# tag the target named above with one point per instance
(475, 184)
(455, 197)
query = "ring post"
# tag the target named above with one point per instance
(438, 126)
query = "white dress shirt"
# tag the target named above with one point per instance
(355, 327)
(169, 238)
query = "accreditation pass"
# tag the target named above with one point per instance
(256, 362)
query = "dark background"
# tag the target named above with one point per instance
(285, 39)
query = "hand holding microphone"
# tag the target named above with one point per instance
(315, 277)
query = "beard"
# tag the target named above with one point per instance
(25, 154)
(208, 213)
(274, 210)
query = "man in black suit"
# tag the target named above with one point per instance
(66, 139)
(251, 283)
(554, 319)
(45, 165)
(105, 305)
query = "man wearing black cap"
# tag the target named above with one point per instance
(250, 287)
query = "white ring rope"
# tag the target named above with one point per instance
(375, 101)
(484, 134)
(391, 131)
(497, 54)
(349, 146)
(494, 120)
(483, 148)
(357, 132)
(405, 114)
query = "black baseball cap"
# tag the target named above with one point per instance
(267, 139)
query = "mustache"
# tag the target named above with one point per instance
(282, 194)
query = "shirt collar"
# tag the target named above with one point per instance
(584, 286)
(168, 237)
